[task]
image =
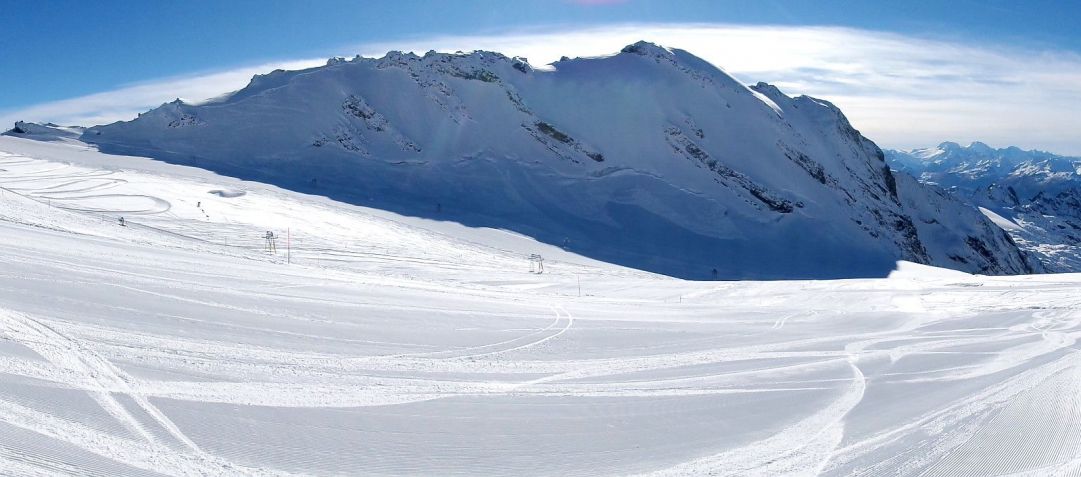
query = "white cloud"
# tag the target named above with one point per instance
(901, 91)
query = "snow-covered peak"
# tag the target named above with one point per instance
(949, 146)
(645, 48)
(978, 147)
(772, 92)
(650, 157)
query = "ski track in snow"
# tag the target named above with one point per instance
(177, 345)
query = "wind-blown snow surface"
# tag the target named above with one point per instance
(650, 158)
(1033, 195)
(394, 345)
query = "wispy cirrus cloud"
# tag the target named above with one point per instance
(901, 91)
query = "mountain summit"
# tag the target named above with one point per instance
(650, 157)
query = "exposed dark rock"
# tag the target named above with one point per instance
(554, 133)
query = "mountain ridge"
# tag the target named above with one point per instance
(1036, 193)
(650, 157)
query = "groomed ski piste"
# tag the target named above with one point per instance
(370, 343)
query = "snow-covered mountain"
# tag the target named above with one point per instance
(651, 158)
(1034, 195)
(44, 132)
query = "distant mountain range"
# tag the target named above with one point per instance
(1034, 195)
(651, 158)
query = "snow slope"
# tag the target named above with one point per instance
(1034, 195)
(176, 345)
(44, 132)
(650, 158)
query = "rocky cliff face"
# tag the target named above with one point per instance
(651, 158)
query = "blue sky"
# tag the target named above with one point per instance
(69, 54)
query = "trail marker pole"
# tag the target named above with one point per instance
(288, 246)
(579, 277)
